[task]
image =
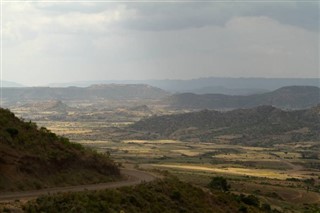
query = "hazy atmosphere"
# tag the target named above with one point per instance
(61, 42)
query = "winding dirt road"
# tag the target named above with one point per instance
(134, 177)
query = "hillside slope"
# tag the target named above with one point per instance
(33, 158)
(248, 125)
(293, 97)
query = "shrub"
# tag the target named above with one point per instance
(13, 132)
(219, 183)
(250, 200)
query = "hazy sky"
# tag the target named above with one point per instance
(63, 42)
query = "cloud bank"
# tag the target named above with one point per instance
(60, 42)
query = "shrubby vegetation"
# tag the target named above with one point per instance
(167, 195)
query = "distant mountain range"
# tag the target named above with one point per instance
(94, 92)
(11, 84)
(292, 97)
(261, 125)
(210, 85)
(221, 85)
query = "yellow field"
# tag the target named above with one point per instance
(231, 171)
(152, 141)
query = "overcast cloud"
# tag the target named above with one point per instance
(62, 42)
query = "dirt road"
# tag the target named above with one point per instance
(134, 177)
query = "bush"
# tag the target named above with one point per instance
(219, 183)
(250, 200)
(13, 132)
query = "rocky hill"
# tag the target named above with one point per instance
(292, 97)
(33, 158)
(258, 126)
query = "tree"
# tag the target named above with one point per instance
(219, 183)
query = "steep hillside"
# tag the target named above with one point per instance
(94, 92)
(290, 97)
(249, 125)
(293, 97)
(169, 195)
(32, 157)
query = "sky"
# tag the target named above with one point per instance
(55, 42)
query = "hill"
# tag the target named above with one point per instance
(140, 108)
(55, 105)
(94, 92)
(257, 126)
(33, 158)
(293, 97)
(168, 195)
